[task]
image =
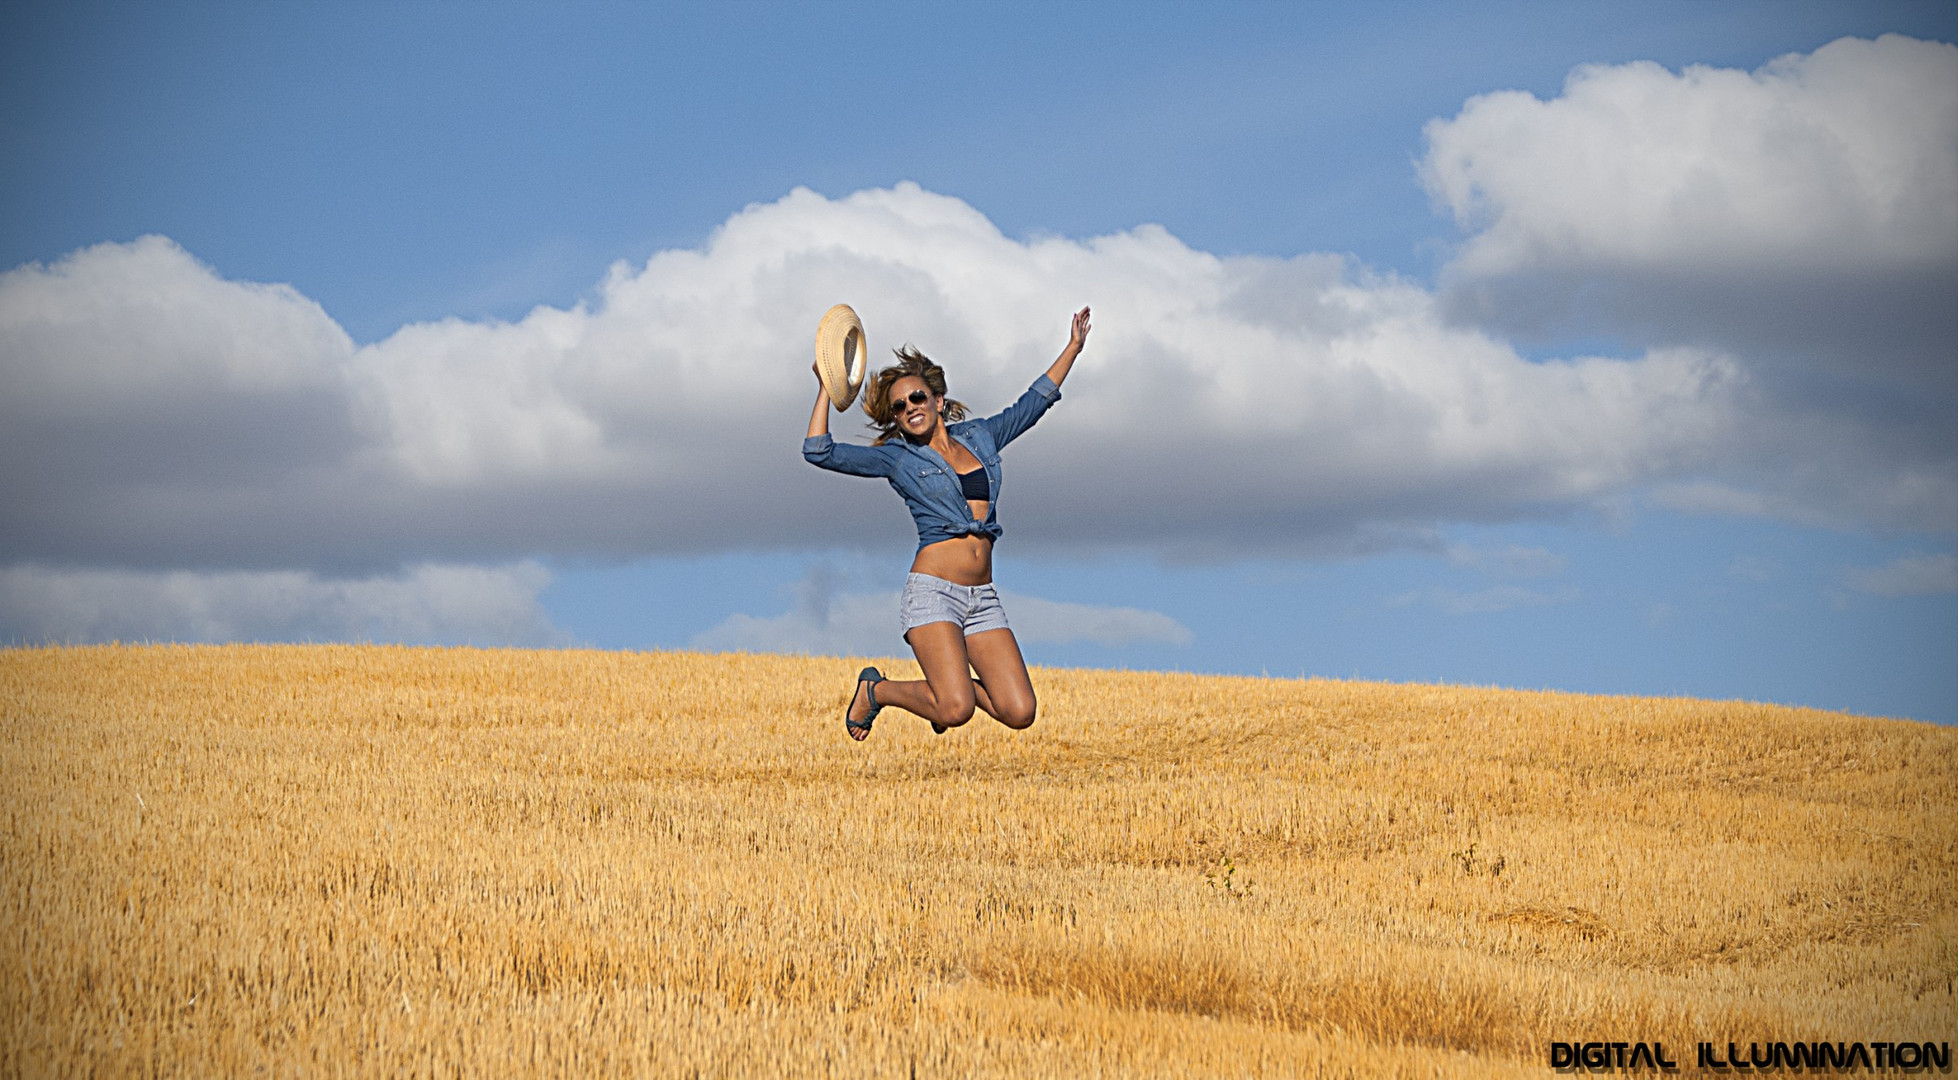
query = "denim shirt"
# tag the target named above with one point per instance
(925, 480)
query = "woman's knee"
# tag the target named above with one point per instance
(1017, 715)
(954, 709)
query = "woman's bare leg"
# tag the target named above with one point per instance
(995, 655)
(947, 694)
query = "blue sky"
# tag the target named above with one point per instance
(1448, 402)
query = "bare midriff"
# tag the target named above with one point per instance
(962, 560)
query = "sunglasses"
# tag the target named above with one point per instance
(917, 397)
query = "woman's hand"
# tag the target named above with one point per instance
(1077, 338)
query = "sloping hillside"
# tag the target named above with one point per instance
(388, 861)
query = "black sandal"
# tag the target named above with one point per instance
(860, 729)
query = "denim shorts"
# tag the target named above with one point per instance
(974, 608)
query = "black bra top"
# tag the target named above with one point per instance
(973, 485)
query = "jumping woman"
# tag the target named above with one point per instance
(946, 468)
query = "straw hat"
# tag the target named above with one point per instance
(840, 352)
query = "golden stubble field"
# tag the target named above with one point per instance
(339, 860)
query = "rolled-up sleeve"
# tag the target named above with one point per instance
(824, 452)
(1016, 418)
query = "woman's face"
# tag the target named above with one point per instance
(914, 417)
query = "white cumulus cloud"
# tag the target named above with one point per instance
(1844, 157)
(1224, 405)
(1801, 218)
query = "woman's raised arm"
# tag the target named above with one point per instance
(824, 452)
(1077, 339)
(819, 420)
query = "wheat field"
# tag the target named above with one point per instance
(377, 861)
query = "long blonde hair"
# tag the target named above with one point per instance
(877, 393)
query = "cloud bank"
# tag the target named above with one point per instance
(822, 620)
(1802, 217)
(1225, 405)
(425, 605)
(1780, 245)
